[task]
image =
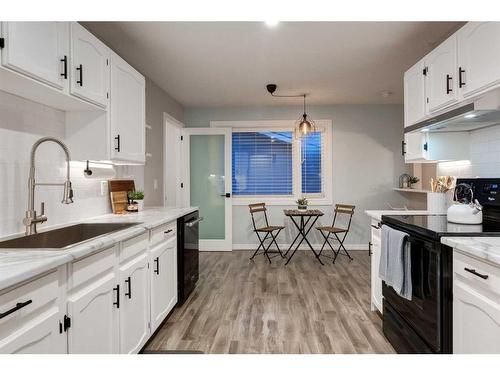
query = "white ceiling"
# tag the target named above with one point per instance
(229, 63)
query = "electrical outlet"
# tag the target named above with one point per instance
(104, 187)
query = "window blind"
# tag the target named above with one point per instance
(262, 163)
(311, 149)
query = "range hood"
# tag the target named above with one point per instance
(480, 113)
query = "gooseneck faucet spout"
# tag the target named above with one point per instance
(31, 218)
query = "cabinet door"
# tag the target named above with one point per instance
(94, 318)
(89, 74)
(128, 127)
(38, 50)
(479, 56)
(415, 147)
(414, 93)
(476, 321)
(134, 312)
(376, 282)
(163, 281)
(39, 336)
(441, 71)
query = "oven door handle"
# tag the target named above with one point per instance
(191, 223)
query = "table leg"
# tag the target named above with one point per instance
(302, 232)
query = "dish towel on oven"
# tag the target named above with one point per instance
(395, 261)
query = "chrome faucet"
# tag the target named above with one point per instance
(32, 219)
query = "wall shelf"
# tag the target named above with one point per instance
(407, 190)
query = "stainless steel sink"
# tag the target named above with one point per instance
(64, 237)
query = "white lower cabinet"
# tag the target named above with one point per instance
(31, 316)
(163, 281)
(94, 318)
(134, 309)
(109, 302)
(376, 281)
(476, 306)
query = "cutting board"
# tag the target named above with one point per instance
(121, 185)
(119, 201)
(118, 192)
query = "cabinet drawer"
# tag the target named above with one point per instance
(32, 296)
(93, 266)
(163, 233)
(462, 262)
(134, 246)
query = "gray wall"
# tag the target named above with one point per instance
(157, 102)
(367, 160)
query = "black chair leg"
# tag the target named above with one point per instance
(324, 243)
(335, 253)
(274, 240)
(261, 245)
(342, 245)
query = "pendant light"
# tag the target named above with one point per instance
(304, 125)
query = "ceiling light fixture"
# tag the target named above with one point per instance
(304, 125)
(272, 23)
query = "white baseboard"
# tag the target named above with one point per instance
(364, 246)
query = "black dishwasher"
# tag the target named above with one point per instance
(187, 254)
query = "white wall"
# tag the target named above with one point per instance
(22, 122)
(484, 156)
(367, 161)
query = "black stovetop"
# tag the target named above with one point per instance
(436, 226)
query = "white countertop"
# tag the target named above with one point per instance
(18, 265)
(377, 214)
(487, 248)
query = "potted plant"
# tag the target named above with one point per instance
(413, 180)
(137, 198)
(302, 203)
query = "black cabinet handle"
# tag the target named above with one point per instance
(376, 226)
(403, 151)
(65, 70)
(157, 262)
(117, 138)
(370, 248)
(168, 231)
(117, 303)
(474, 272)
(129, 282)
(448, 86)
(80, 81)
(18, 306)
(461, 82)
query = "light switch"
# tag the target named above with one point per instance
(104, 187)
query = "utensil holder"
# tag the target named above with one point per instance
(436, 203)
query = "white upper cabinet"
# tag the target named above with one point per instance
(478, 57)
(414, 93)
(89, 66)
(440, 75)
(39, 50)
(128, 112)
(415, 147)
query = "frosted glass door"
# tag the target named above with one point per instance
(207, 183)
(208, 170)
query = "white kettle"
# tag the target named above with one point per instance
(465, 213)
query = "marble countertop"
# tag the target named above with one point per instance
(18, 265)
(377, 214)
(487, 248)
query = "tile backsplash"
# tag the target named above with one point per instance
(484, 156)
(22, 122)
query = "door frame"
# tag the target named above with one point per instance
(227, 243)
(173, 122)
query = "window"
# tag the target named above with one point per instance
(311, 149)
(269, 165)
(262, 163)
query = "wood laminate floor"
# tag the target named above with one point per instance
(243, 306)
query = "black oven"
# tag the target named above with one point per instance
(422, 325)
(187, 254)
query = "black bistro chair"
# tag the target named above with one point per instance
(269, 230)
(326, 232)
